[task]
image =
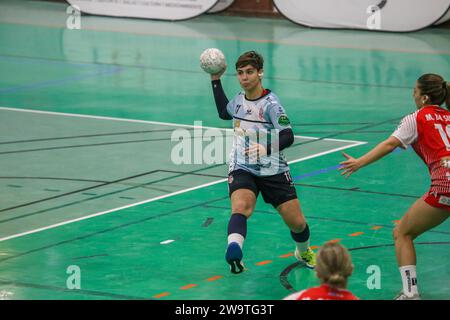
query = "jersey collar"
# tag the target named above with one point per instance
(264, 93)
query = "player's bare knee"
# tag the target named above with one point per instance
(298, 226)
(243, 207)
(403, 235)
(410, 236)
(398, 234)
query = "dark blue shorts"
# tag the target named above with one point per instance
(276, 189)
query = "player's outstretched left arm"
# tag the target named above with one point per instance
(351, 165)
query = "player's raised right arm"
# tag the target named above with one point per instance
(219, 96)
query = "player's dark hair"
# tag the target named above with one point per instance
(251, 58)
(435, 87)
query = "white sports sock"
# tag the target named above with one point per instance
(409, 279)
(302, 246)
(236, 237)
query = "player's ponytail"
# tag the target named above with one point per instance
(334, 265)
(337, 280)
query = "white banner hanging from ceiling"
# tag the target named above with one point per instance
(444, 18)
(380, 15)
(221, 6)
(150, 9)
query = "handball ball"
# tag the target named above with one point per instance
(212, 61)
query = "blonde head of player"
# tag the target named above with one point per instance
(333, 269)
(334, 265)
(427, 131)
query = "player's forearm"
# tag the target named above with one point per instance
(285, 140)
(378, 152)
(221, 100)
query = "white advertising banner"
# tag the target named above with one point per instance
(150, 9)
(444, 18)
(221, 6)
(378, 15)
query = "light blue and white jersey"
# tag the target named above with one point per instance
(257, 121)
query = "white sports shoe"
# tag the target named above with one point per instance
(402, 296)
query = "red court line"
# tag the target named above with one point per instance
(263, 262)
(214, 278)
(376, 228)
(287, 255)
(356, 234)
(163, 294)
(187, 287)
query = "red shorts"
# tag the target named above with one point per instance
(437, 200)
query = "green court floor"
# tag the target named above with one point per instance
(88, 181)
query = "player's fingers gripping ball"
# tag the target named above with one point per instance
(212, 61)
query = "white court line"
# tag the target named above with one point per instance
(354, 144)
(111, 210)
(86, 116)
(167, 241)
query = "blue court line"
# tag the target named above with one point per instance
(316, 173)
(20, 59)
(62, 81)
(329, 169)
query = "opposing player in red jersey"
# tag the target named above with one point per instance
(333, 267)
(428, 132)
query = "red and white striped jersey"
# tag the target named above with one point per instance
(428, 131)
(323, 292)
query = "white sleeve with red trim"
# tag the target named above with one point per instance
(407, 130)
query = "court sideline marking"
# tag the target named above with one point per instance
(354, 144)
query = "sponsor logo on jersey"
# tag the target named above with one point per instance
(261, 114)
(283, 120)
(444, 200)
